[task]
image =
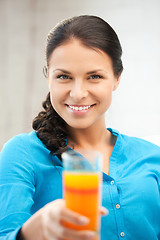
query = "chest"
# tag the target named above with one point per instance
(106, 154)
(133, 202)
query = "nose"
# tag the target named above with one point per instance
(78, 91)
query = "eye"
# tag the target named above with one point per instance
(63, 76)
(95, 76)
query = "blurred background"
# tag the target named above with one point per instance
(24, 26)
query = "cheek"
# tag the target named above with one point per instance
(55, 98)
(105, 93)
(57, 94)
(107, 98)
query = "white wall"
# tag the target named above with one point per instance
(23, 29)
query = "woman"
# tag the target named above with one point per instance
(84, 66)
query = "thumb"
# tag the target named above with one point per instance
(103, 211)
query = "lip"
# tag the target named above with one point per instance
(79, 112)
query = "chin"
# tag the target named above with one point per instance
(78, 126)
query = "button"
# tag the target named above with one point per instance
(112, 182)
(122, 234)
(118, 206)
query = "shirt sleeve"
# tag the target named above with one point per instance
(17, 187)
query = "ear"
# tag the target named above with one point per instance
(117, 81)
(45, 71)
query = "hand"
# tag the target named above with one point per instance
(48, 223)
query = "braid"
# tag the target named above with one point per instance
(51, 128)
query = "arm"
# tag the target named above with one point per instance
(16, 187)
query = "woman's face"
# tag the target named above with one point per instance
(81, 81)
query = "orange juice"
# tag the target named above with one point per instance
(82, 195)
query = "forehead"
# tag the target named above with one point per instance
(74, 54)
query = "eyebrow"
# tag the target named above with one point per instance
(62, 70)
(67, 72)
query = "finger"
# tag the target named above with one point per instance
(62, 232)
(78, 235)
(73, 217)
(49, 235)
(61, 213)
(103, 211)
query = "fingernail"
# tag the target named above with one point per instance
(91, 235)
(83, 220)
(105, 211)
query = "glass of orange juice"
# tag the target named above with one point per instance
(82, 176)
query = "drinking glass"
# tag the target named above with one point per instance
(82, 177)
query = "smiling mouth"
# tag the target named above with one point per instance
(79, 108)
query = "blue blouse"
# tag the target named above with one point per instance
(131, 191)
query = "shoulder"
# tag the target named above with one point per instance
(21, 138)
(140, 148)
(139, 142)
(23, 141)
(142, 154)
(21, 149)
(135, 145)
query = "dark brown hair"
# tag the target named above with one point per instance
(94, 33)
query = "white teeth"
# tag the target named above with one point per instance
(79, 108)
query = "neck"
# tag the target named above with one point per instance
(89, 138)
